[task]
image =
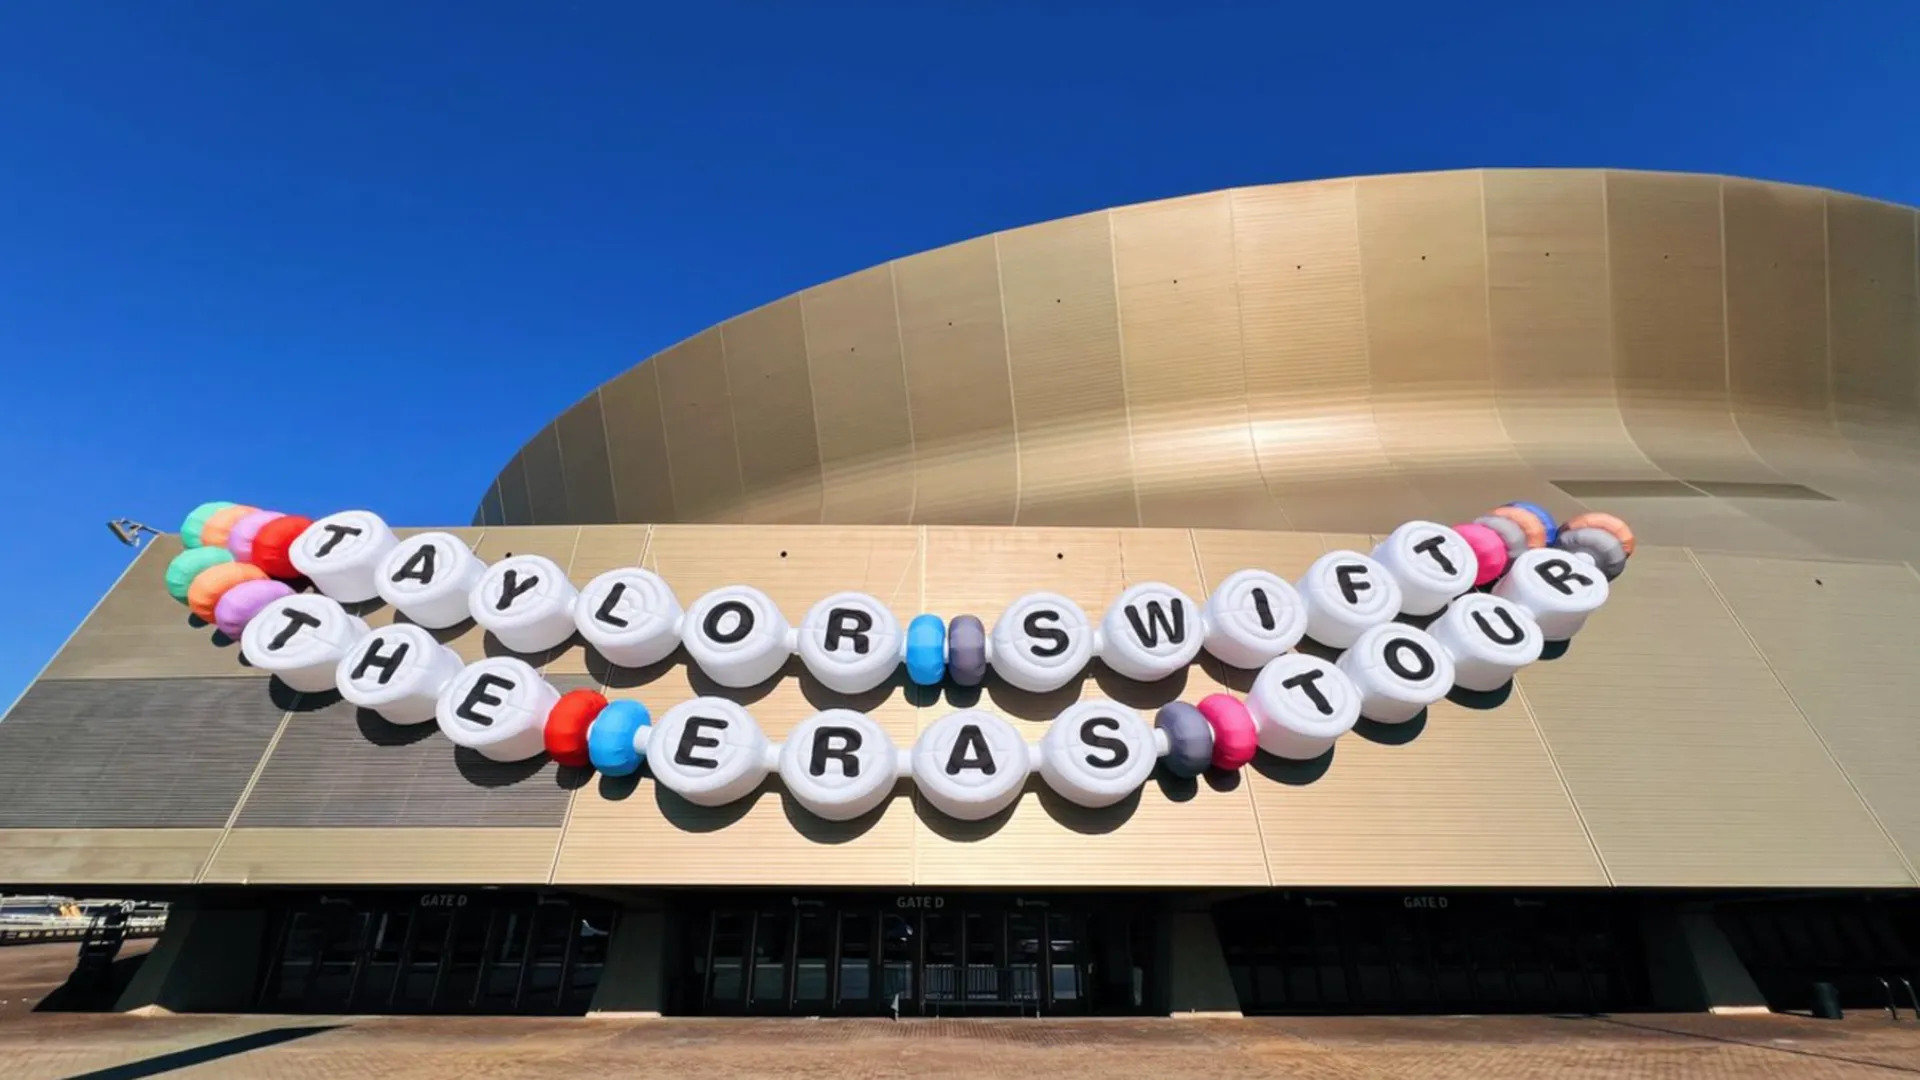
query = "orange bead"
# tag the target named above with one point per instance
(211, 584)
(221, 524)
(1594, 519)
(1535, 529)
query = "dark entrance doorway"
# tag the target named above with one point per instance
(451, 952)
(1462, 952)
(922, 955)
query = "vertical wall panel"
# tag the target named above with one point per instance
(1664, 252)
(631, 411)
(490, 512)
(697, 415)
(515, 504)
(1840, 638)
(766, 352)
(583, 450)
(139, 630)
(1069, 392)
(1875, 321)
(1186, 386)
(1303, 332)
(860, 398)
(1423, 262)
(1550, 324)
(546, 478)
(1687, 761)
(966, 467)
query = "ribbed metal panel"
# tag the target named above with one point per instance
(586, 471)
(340, 766)
(62, 858)
(389, 856)
(138, 631)
(860, 397)
(132, 753)
(773, 413)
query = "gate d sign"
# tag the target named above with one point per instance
(709, 751)
(839, 764)
(1150, 632)
(428, 578)
(526, 602)
(1097, 753)
(971, 764)
(1041, 642)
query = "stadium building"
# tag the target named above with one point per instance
(1705, 798)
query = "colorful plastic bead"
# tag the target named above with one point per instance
(926, 650)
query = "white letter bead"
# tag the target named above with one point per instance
(428, 578)
(1041, 642)
(1431, 563)
(398, 671)
(737, 636)
(629, 615)
(301, 638)
(1489, 638)
(1558, 588)
(497, 707)
(709, 751)
(1300, 705)
(850, 642)
(1347, 593)
(1398, 670)
(341, 554)
(1253, 617)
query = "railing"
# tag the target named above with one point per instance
(982, 986)
(72, 930)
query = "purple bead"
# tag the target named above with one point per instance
(240, 604)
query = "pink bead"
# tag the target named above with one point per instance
(240, 538)
(1234, 737)
(239, 604)
(1488, 548)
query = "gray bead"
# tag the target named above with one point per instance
(1605, 548)
(1510, 533)
(1189, 739)
(966, 650)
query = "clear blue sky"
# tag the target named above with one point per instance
(252, 250)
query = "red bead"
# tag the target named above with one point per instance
(273, 545)
(567, 724)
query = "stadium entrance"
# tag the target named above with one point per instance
(478, 951)
(926, 954)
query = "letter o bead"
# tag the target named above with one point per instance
(737, 636)
(839, 764)
(617, 738)
(1189, 739)
(1301, 705)
(497, 707)
(567, 725)
(1399, 671)
(1235, 738)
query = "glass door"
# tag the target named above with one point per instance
(767, 988)
(553, 936)
(381, 970)
(728, 938)
(813, 960)
(506, 960)
(899, 963)
(856, 991)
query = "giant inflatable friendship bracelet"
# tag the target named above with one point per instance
(852, 642)
(839, 763)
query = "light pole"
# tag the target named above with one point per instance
(130, 532)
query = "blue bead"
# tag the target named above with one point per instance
(610, 737)
(1546, 519)
(926, 650)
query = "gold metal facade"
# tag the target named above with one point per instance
(1730, 364)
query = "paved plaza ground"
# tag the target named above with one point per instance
(98, 1047)
(36, 1043)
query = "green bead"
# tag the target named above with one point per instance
(187, 565)
(196, 521)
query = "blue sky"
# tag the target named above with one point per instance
(251, 250)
